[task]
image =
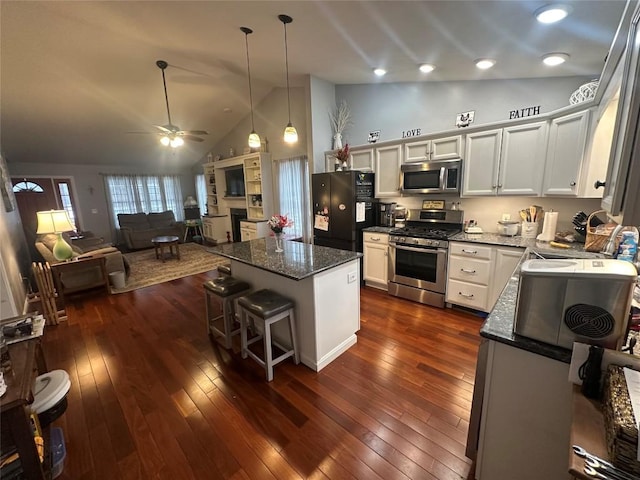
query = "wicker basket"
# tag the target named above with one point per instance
(595, 242)
(620, 425)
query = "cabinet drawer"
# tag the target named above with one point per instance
(470, 269)
(470, 250)
(467, 294)
(374, 237)
(248, 226)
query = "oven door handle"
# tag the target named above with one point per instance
(414, 249)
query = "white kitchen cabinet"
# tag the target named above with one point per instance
(253, 230)
(526, 416)
(565, 153)
(376, 257)
(214, 229)
(476, 274)
(445, 148)
(387, 169)
(507, 161)
(362, 160)
(481, 162)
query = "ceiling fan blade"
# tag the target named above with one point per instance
(163, 129)
(193, 138)
(193, 132)
(146, 133)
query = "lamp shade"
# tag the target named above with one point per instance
(190, 202)
(54, 221)
(290, 134)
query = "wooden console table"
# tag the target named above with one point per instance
(27, 361)
(77, 266)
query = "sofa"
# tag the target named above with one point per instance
(137, 229)
(87, 247)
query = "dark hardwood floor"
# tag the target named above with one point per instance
(153, 397)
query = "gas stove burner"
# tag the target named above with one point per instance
(425, 232)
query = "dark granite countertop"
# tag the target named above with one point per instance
(499, 324)
(298, 261)
(575, 249)
(378, 229)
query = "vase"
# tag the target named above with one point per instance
(337, 141)
(278, 237)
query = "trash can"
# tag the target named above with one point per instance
(117, 279)
(50, 396)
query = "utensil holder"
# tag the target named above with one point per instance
(529, 230)
(595, 242)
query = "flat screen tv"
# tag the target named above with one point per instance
(234, 178)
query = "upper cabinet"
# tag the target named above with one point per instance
(565, 153)
(362, 160)
(506, 161)
(444, 148)
(387, 169)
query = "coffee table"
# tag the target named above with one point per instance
(159, 243)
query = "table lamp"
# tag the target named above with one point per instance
(56, 221)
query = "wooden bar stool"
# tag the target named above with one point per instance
(224, 290)
(267, 307)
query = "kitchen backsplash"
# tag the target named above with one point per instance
(487, 211)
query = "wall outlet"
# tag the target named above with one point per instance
(94, 210)
(506, 217)
(352, 277)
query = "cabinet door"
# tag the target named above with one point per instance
(481, 162)
(376, 264)
(446, 148)
(522, 159)
(506, 260)
(362, 160)
(565, 153)
(417, 151)
(387, 170)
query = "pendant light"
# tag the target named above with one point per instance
(290, 132)
(254, 138)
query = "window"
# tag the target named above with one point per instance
(292, 176)
(25, 186)
(67, 204)
(144, 193)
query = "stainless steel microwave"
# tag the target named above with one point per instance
(431, 177)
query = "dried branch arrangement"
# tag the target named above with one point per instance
(341, 118)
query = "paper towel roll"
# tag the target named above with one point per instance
(549, 227)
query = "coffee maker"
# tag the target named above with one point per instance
(385, 214)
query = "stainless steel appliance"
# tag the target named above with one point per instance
(443, 176)
(418, 255)
(584, 300)
(385, 214)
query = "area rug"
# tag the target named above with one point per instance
(146, 270)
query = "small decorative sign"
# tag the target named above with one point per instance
(374, 136)
(428, 204)
(465, 119)
(412, 133)
(524, 112)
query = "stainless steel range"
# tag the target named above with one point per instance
(418, 255)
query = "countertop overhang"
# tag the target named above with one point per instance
(298, 260)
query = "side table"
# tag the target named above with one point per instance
(78, 266)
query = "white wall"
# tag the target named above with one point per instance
(322, 100)
(432, 106)
(15, 261)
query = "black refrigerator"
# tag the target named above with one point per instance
(342, 207)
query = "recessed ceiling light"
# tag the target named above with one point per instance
(485, 63)
(426, 68)
(380, 72)
(226, 110)
(552, 13)
(553, 59)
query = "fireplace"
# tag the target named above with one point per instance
(237, 214)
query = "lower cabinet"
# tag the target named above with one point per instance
(476, 273)
(214, 229)
(376, 256)
(253, 230)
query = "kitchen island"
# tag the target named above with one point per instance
(323, 282)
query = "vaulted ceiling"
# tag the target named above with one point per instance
(76, 76)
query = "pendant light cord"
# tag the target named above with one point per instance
(247, 31)
(286, 61)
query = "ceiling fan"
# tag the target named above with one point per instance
(171, 134)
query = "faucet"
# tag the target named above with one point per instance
(610, 248)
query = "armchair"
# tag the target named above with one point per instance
(77, 278)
